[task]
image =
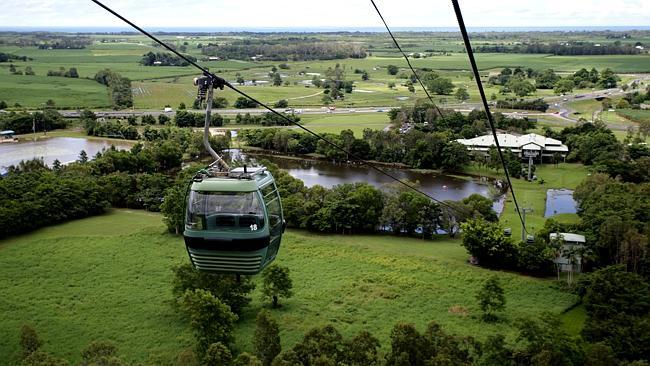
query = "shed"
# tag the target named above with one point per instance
(569, 258)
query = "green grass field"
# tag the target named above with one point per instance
(108, 277)
(155, 87)
(533, 195)
(33, 90)
(335, 123)
(637, 115)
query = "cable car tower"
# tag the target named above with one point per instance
(233, 220)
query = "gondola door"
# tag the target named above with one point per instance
(276, 220)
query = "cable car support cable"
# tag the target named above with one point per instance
(477, 77)
(405, 57)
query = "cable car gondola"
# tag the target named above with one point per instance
(233, 221)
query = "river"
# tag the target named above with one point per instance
(65, 149)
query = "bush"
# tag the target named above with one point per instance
(217, 355)
(246, 359)
(99, 352)
(243, 102)
(491, 299)
(29, 341)
(282, 103)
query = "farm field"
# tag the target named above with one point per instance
(635, 115)
(108, 277)
(157, 86)
(337, 123)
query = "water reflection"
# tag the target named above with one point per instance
(442, 187)
(559, 201)
(65, 149)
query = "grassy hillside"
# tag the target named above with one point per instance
(109, 277)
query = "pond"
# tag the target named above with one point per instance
(65, 149)
(559, 201)
(442, 187)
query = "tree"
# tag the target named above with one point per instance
(227, 288)
(521, 88)
(282, 103)
(83, 157)
(211, 320)
(266, 339)
(163, 119)
(362, 350)
(618, 311)
(608, 79)
(132, 120)
(277, 79)
(182, 106)
(546, 343)
(461, 94)
(481, 205)
(365, 76)
(391, 84)
(29, 71)
(30, 342)
(72, 73)
(3, 104)
(217, 355)
(392, 69)
(486, 241)
(564, 86)
(219, 102)
(276, 283)
(453, 156)
(320, 346)
(546, 79)
(491, 299)
(440, 85)
(246, 359)
(494, 352)
(148, 119)
(173, 208)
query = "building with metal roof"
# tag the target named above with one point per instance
(528, 145)
(569, 258)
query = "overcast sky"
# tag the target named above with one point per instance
(329, 13)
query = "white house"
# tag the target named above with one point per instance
(570, 248)
(523, 146)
